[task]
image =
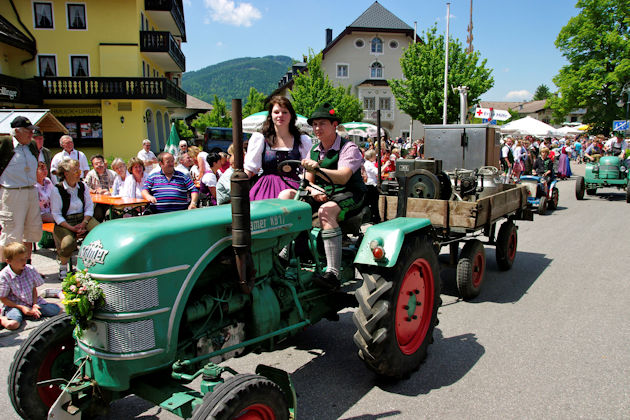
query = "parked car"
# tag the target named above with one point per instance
(218, 139)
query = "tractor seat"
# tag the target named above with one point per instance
(352, 224)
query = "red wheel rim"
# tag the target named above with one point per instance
(49, 369)
(511, 245)
(256, 412)
(414, 306)
(479, 265)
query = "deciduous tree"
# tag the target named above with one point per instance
(420, 93)
(218, 117)
(255, 102)
(542, 92)
(312, 88)
(596, 43)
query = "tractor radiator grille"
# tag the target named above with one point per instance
(608, 172)
(128, 337)
(131, 296)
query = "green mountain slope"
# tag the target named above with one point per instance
(233, 78)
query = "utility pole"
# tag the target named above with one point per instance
(469, 38)
(448, 17)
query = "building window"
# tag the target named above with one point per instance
(43, 13)
(369, 103)
(141, 21)
(76, 16)
(342, 71)
(377, 45)
(359, 43)
(393, 44)
(47, 65)
(144, 73)
(404, 134)
(385, 104)
(79, 66)
(376, 70)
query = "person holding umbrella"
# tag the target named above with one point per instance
(280, 140)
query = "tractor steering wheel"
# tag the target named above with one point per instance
(289, 165)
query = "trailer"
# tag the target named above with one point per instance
(473, 223)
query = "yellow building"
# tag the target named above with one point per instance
(109, 70)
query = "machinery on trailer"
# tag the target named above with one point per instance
(464, 206)
(187, 290)
(606, 172)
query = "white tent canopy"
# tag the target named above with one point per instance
(42, 118)
(528, 126)
(565, 131)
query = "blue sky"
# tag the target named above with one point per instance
(516, 37)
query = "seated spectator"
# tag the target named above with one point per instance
(207, 188)
(183, 146)
(119, 166)
(18, 289)
(225, 163)
(168, 190)
(100, 180)
(184, 163)
(44, 190)
(132, 188)
(72, 209)
(224, 184)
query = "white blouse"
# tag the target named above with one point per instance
(256, 145)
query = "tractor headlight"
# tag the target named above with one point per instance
(623, 168)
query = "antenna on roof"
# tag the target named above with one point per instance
(469, 38)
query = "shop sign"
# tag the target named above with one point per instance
(10, 92)
(76, 111)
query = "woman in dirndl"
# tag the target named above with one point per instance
(280, 140)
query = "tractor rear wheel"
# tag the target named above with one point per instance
(542, 205)
(579, 188)
(46, 354)
(553, 203)
(507, 240)
(471, 268)
(244, 396)
(398, 311)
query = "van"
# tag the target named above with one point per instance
(218, 139)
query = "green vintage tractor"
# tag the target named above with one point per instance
(609, 171)
(187, 290)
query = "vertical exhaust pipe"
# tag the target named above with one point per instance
(241, 225)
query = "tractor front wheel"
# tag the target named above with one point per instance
(398, 311)
(579, 188)
(46, 354)
(507, 240)
(553, 203)
(471, 268)
(244, 397)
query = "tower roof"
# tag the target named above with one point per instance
(378, 17)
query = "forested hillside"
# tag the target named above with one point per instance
(233, 78)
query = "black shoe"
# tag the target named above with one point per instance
(328, 281)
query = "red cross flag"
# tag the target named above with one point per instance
(492, 114)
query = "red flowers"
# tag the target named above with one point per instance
(331, 112)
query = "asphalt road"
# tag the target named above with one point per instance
(548, 339)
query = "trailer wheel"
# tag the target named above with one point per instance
(555, 196)
(507, 240)
(579, 188)
(471, 269)
(628, 192)
(398, 311)
(542, 205)
(46, 354)
(244, 396)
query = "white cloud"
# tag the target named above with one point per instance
(518, 94)
(226, 11)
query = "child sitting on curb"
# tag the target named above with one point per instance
(18, 289)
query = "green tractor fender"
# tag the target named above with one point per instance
(390, 235)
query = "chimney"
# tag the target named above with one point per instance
(328, 36)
